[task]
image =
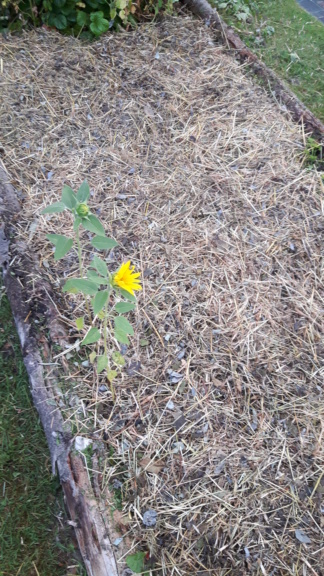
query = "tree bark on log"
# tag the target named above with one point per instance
(31, 296)
(281, 92)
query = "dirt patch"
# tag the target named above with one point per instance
(218, 420)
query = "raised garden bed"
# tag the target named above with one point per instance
(198, 174)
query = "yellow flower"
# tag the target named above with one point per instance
(126, 279)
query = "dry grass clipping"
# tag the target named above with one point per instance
(196, 173)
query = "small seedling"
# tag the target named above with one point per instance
(97, 283)
(313, 153)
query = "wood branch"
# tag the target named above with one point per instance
(29, 294)
(277, 87)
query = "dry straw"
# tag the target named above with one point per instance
(218, 421)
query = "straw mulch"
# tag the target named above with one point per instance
(219, 413)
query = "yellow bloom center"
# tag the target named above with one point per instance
(127, 279)
(82, 210)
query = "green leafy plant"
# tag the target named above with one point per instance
(109, 295)
(241, 9)
(313, 153)
(85, 18)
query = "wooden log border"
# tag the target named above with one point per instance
(31, 298)
(270, 80)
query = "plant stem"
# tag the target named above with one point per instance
(79, 251)
(81, 270)
(105, 328)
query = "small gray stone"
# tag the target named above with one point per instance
(149, 518)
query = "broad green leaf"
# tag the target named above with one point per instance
(81, 285)
(68, 197)
(83, 193)
(99, 24)
(122, 324)
(99, 301)
(54, 238)
(102, 363)
(118, 358)
(103, 243)
(121, 336)
(92, 356)
(79, 323)
(69, 10)
(83, 18)
(136, 562)
(121, 4)
(127, 295)
(54, 208)
(101, 315)
(93, 276)
(100, 266)
(123, 307)
(62, 247)
(94, 225)
(113, 13)
(57, 20)
(111, 374)
(92, 337)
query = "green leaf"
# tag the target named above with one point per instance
(118, 358)
(92, 337)
(143, 342)
(121, 4)
(113, 13)
(57, 20)
(83, 19)
(62, 247)
(54, 208)
(103, 243)
(99, 24)
(121, 336)
(59, 3)
(93, 276)
(122, 324)
(136, 562)
(99, 301)
(68, 197)
(123, 307)
(102, 363)
(79, 323)
(100, 266)
(94, 225)
(127, 295)
(80, 285)
(54, 238)
(69, 10)
(111, 374)
(83, 193)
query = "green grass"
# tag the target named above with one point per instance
(32, 543)
(291, 42)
